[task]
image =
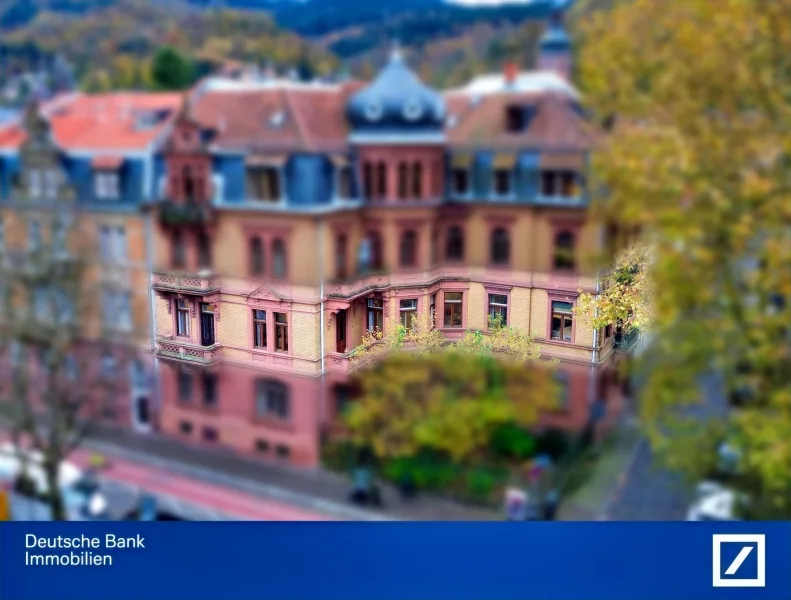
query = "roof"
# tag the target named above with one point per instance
(554, 123)
(527, 82)
(274, 118)
(112, 122)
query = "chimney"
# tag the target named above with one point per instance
(510, 71)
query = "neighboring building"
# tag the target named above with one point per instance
(95, 155)
(296, 216)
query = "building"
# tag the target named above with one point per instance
(82, 167)
(293, 217)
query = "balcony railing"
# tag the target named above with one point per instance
(170, 348)
(199, 283)
(627, 341)
(172, 213)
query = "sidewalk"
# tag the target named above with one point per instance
(593, 499)
(315, 491)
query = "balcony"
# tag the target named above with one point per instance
(625, 342)
(199, 284)
(175, 214)
(187, 352)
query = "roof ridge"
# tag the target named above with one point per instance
(297, 122)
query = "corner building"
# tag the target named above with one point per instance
(294, 217)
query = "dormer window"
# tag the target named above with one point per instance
(461, 182)
(106, 185)
(345, 182)
(264, 183)
(277, 119)
(563, 184)
(502, 182)
(515, 119)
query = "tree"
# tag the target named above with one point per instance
(171, 70)
(625, 297)
(60, 363)
(696, 95)
(420, 392)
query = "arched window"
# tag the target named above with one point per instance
(377, 258)
(381, 180)
(189, 184)
(178, 253)
(278, 259)
(501, 247)
(408, 249)
(564, 251)
(454, 244)
(403, 181)
(368, 180)
(204, 251)
(256, 256)
(417, 180)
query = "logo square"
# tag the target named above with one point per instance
(739, 560)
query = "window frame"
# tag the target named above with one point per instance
(186, 312)
(263, 399)
(283, 326)
(448, 230)
(261, 323)
(563, 315)
(505, 306)
(106, 185)
(494, 260)
(369, 310)
(410, 313)
(456, 303)
(408, 234)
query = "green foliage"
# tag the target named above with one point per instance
(511, 441)
(697, 160)
(171, 70)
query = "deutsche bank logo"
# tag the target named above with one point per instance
(739, 560)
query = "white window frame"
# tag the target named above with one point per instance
(106, 185)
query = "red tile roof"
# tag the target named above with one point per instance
(101, 122)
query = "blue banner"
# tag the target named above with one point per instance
(394, 561)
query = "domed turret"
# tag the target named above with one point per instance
(396, 102)
(554, 49)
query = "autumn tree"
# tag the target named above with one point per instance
(419, 391)
(696, 95)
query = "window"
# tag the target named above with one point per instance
(514, 119)
(259, 329)
(60, 238)
(408, 313)
(344, 395)
(207, 324)
(283, 451)
(461, 181)
(51, 183)
(562, 320)
(185, 386)
(381, 180)
(182, 318)
(204, 251)
(264, 183)
(408, 250)
(403, 181)
(139, 378)
(106, 185)
(34, 236)
(272, 400)
(375, 315)
(178, 252)
(262, 446)
(279, 259)
(417, 180)
(559, 183)
(498, 309)
(117, 310)
(564, 251)
(368, 180)
(209, 390)
(501, 247)
(502, 182)
(2, 235)
(453, 305)
(256, 256)
(185, 427)
(281, 332)
(35, 184)
(341, 258)
(112, 244)
(454, 244)
(345, 182)
(192, 185)
(210, 434)
(433, 310)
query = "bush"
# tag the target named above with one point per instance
(511, 441)
(481, 483)
(340, 455)
(554, 443)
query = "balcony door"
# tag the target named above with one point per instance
(207, 325)
(340, 331)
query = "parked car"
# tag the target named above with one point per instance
(714, 502)
(81, 493)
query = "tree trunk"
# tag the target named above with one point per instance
(55, 495)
